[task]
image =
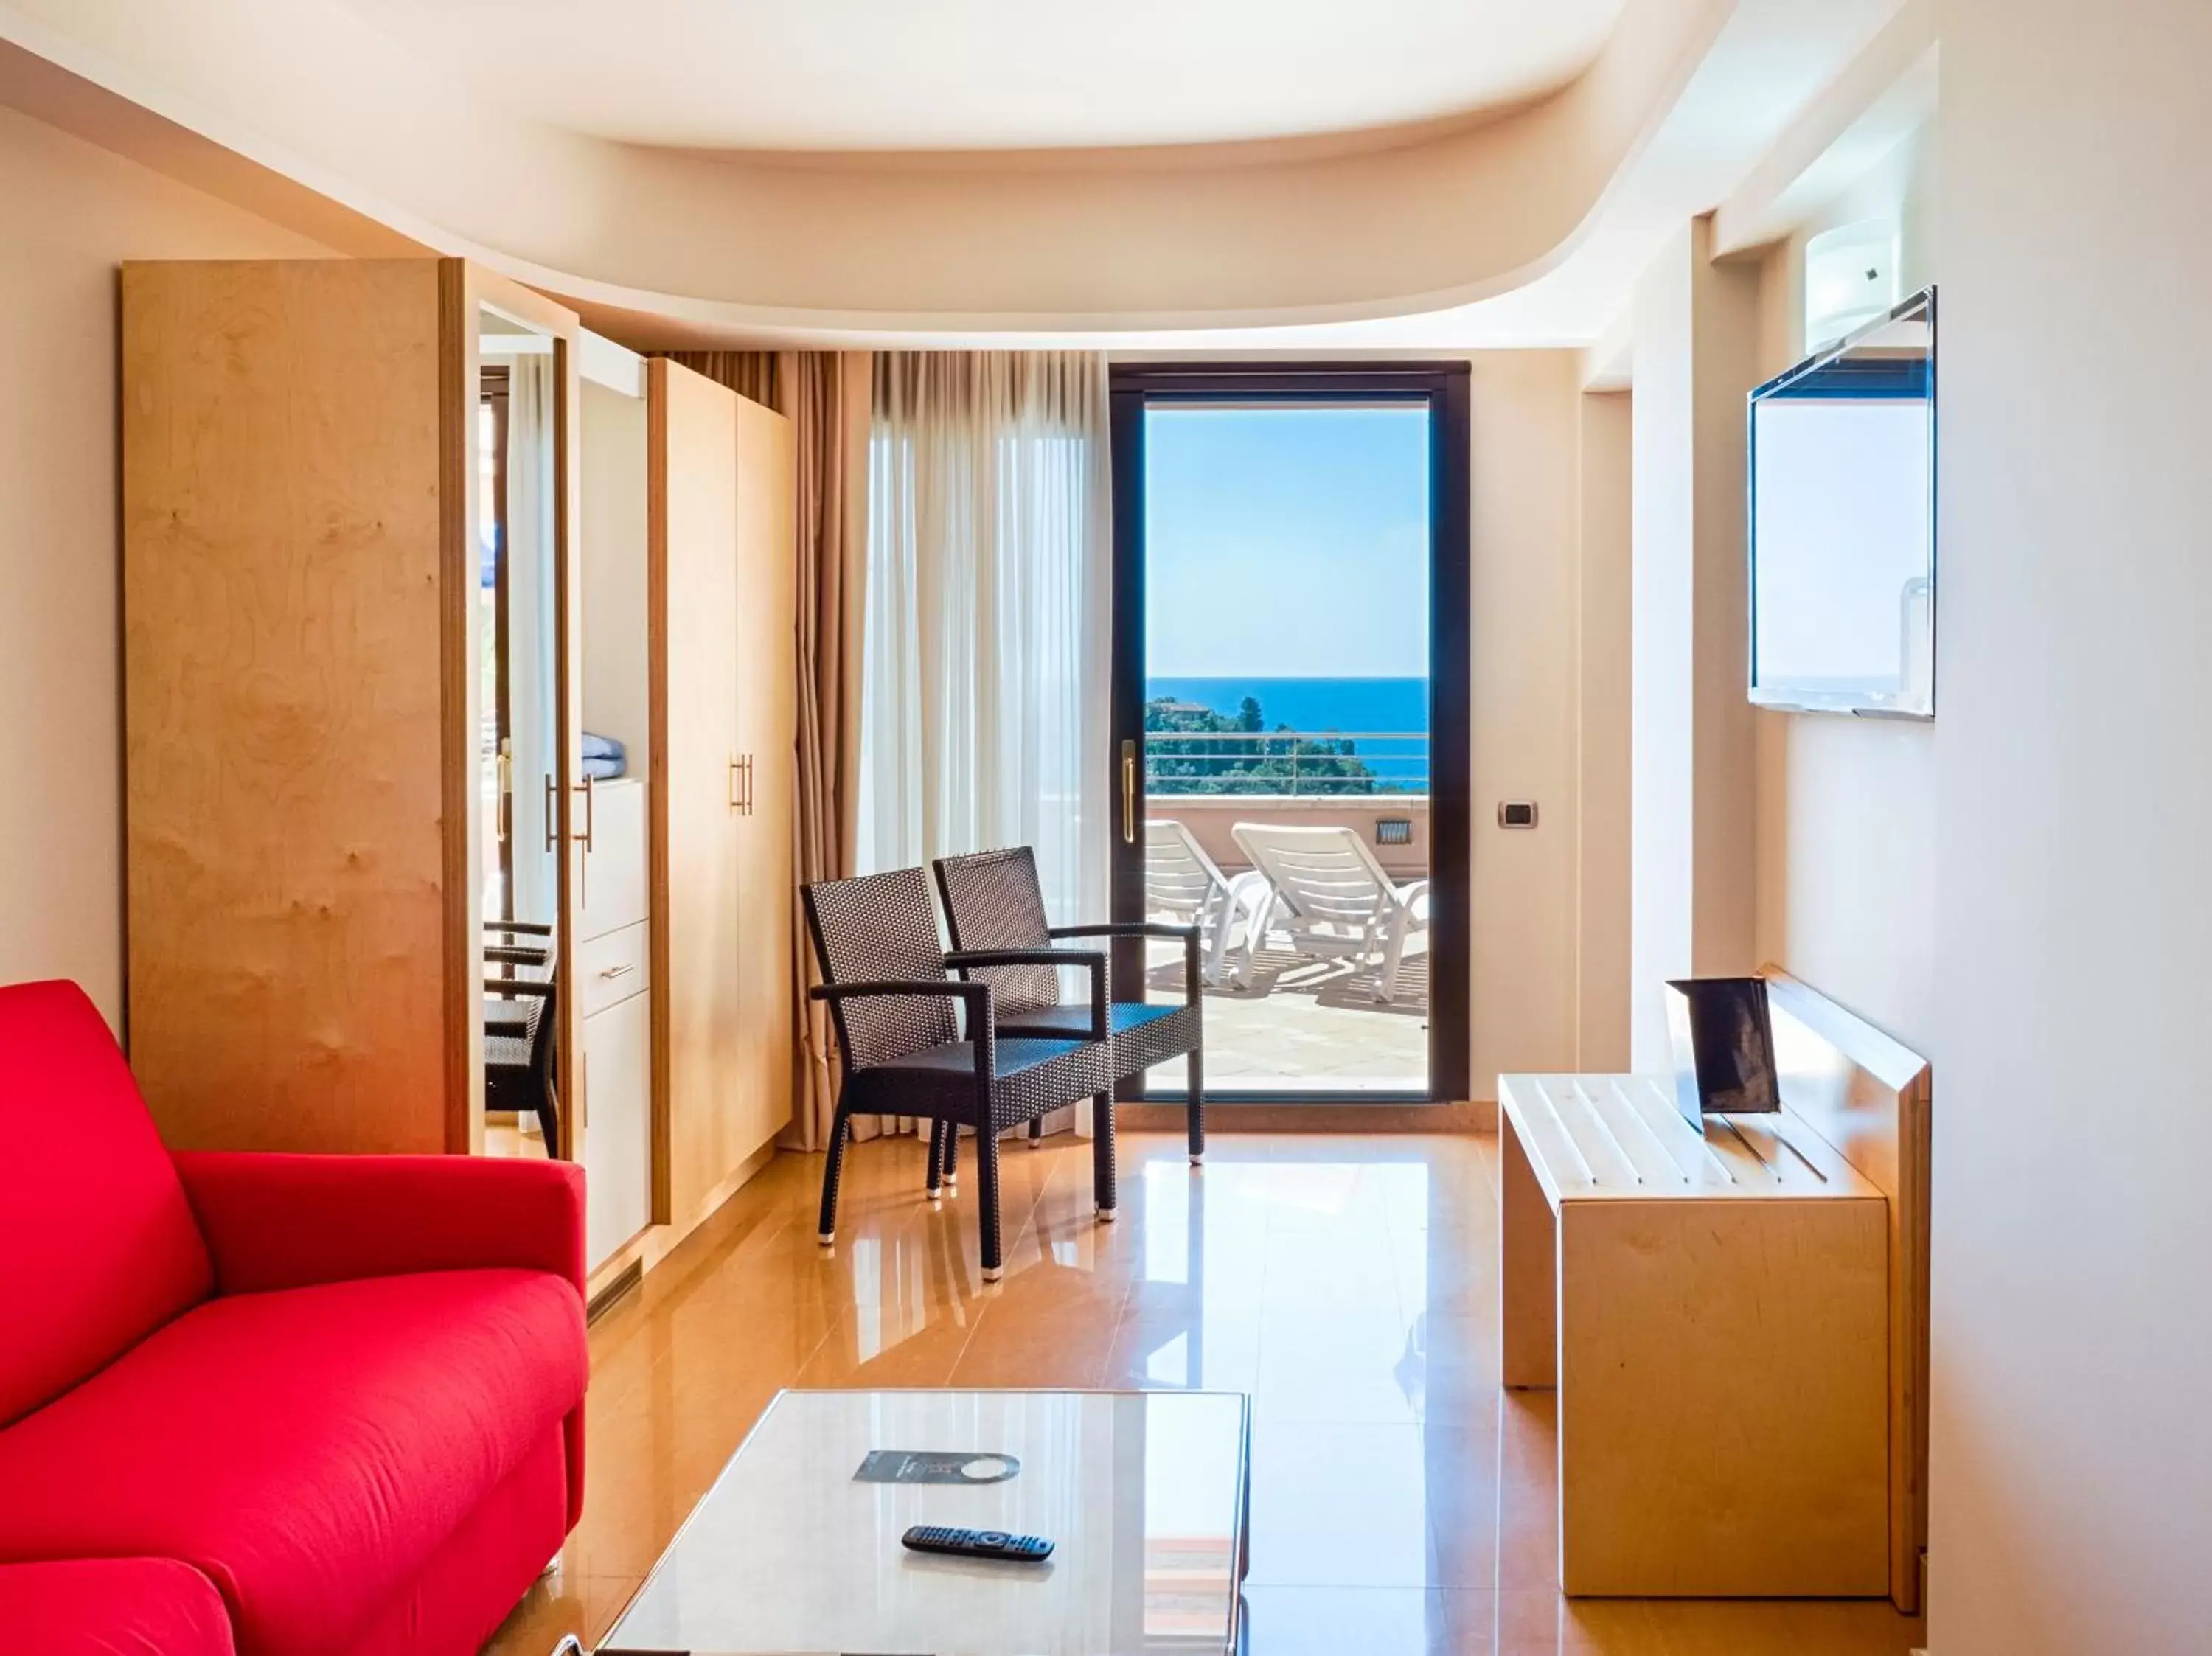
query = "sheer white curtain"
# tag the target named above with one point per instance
(989, 616)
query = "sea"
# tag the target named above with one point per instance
(1321, 704)
(1310, 704)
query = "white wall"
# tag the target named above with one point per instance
(71, 213)
(2072, 1474)
(1691, 776)
(1527, 411)
(1662, 748)
(1604, 637)
(1846, 887)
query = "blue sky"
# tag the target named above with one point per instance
(1286, 543)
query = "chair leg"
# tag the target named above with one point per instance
(952, 1154)
(1194, 1071)
(1101, 1154)
(549, 1123)
(833, 1168)
(1036, 1133)
(987, 1181)
(1394, 952)
(937, 1130)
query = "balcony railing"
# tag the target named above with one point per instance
(1278, 763)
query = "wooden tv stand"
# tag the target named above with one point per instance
(1734, 1323)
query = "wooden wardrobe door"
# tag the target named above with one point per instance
(700, 1127)
(290, 568)
(767, 715)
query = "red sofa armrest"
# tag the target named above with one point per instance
(279, 1221)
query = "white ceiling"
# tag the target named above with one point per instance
(938, 74)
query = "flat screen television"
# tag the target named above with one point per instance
(1842, 525)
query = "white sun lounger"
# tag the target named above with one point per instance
(1333, 898)
(1183, 883)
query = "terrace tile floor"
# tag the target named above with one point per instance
(1301, 1024)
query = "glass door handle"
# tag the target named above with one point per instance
(1128, 793)
(552, 806)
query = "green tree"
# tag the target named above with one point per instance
(1280, 761)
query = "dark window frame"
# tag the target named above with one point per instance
(1446, 387)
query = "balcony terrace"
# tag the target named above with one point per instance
(1293, 1024)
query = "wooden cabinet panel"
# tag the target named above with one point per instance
(720, 578)
(767, 715)
(303, 661)
(692, 574)
(285, 602)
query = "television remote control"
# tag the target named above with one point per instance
(978, 1544)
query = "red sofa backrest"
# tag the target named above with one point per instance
(101, 1248)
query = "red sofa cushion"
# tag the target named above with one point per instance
(311, 1449)
(100, 1245)
(112, 1607)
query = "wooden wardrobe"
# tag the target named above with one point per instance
(321, 643)
(720, 593)
(307, 804)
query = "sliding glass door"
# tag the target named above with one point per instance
(1289, 740)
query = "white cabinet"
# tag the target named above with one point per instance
(618, 1132)
(614, 871)
(614, 990)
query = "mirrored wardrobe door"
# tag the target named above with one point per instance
(528, 736)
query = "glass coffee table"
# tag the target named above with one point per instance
(795, 1552)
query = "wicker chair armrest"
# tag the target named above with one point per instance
(1092, 960)
(1125, 929)
(898, 986)
(1187, 936)
(982, 1016)
(519, 986)
(975, 957)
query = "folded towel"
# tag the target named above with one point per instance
(601, 747)
(604, 769)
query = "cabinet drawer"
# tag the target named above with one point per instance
(612, 968)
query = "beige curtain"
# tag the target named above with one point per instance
(989, 617)
(826, 397)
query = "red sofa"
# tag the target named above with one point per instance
(337, 1399)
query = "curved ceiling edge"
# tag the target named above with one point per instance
(716, 245)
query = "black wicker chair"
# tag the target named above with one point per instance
(518, 1052)
(992, 901)
(513, 950)
(884, 973)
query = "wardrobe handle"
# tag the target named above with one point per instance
(736, 803)
(749, 785)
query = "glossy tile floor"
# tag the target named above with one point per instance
(1401, 1503)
